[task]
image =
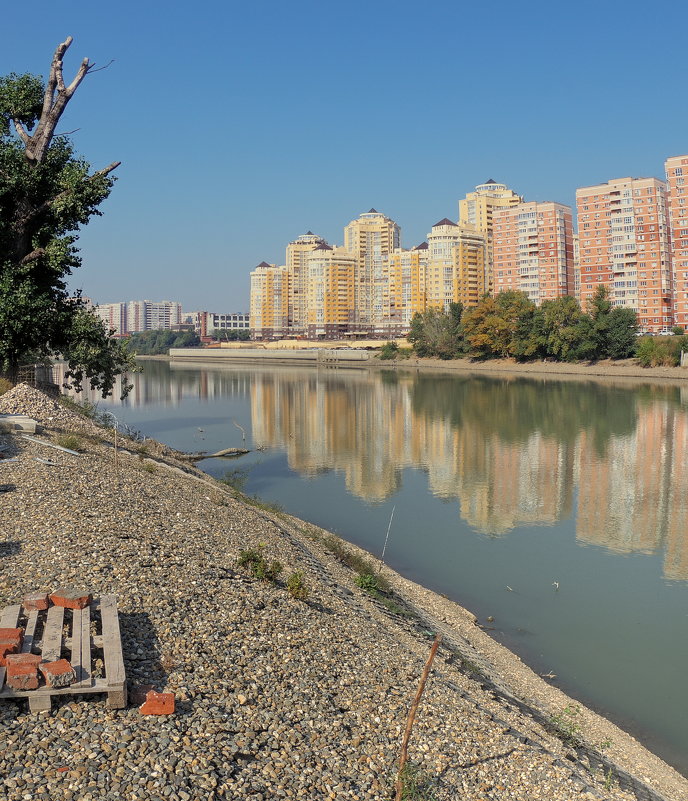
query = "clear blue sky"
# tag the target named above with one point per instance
(241, 126)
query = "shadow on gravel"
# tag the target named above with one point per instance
(147, 661)
(475, 762)
(9, 548)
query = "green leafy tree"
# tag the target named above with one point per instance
(613, 331)
(562, 330)
(622, 330)
(438, 333)
(491, 327)
(46, 194)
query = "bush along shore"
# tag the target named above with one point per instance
(292, 658)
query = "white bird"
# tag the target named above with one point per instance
(555, 584)
(509, 588)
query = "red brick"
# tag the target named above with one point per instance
(23, 659)
(10, 643)
(22, 671)
(58, 674)
(36, 600)
(71, 598)
(158, 704)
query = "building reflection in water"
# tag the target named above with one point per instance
(512, 452)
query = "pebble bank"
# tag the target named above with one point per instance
(276, 698)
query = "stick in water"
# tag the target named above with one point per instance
(384, 547)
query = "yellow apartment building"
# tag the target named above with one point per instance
(456, 265)
(405, 288)
(371, 238)
(297, 251)
(330, 304)
(269, 306)
(477, 208)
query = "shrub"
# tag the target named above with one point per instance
(389, 350)
(258, 566)
(660, 351)
(5, 386)
(416, 784)
(70, 441)
(296, 587)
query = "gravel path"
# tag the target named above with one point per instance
(276, 698)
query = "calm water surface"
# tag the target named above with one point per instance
(572, 493)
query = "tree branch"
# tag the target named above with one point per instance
(33, 256)
(23, 134)
(48, 203)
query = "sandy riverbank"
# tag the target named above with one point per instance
(604, 369)
(277, 698)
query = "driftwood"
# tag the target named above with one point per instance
(225, 453)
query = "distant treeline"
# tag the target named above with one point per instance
(159, 341)
(509, 324)
(230, 334)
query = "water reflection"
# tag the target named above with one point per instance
(511, 452)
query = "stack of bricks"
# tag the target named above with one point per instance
(22, 669)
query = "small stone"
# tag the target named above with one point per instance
(242, 699)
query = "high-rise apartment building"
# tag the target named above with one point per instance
(269, 305)
(114, 315)
(624, 244)
(477, 208)
(330, 304)
(405, 288)
(371, 238)
(456, 265)
(140, 315)
(297, 251)
(676, 174)
(533, 250)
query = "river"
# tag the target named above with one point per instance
(556, 506)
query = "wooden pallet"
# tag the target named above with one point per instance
(60, 635)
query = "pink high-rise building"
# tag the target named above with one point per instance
(533, 250)
(624, 244)
(676, 174)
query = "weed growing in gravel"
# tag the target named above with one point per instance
(142, 451)
(416, 784)
(568, 724)
(374, 586)
(609, 779)
(149, 468)
(296, 587)
(258, 566)
(70, 441)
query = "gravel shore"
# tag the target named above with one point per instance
(277, 698)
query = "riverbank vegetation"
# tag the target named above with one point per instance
(159, 341)
(510, 325)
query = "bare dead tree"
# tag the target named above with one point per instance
(55, 100)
